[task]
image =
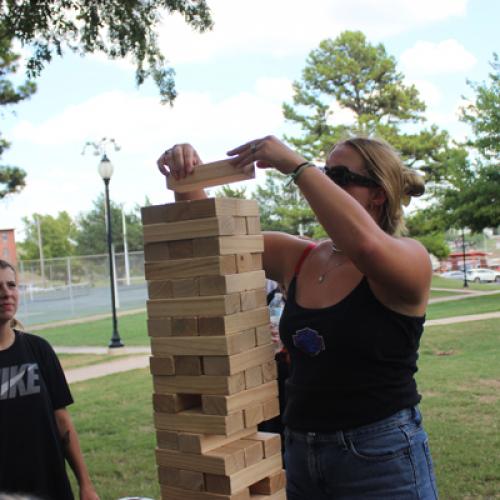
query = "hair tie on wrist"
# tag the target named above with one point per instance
(298, 171)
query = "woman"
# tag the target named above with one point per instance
(352, 322)
(36, 431)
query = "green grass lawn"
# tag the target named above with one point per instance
(439, 282)
(69, 361)
(459, 379)
(471, 305)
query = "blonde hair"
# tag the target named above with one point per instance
(14, 323)
(399, 182)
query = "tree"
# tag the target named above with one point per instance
(352, 75)
(116, 28)
(57, 234)
(429, 227)
(12, 179)
(231, 192)
(484, 114)
(91, 237)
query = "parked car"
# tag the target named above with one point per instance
(483, 275)
(454, 275)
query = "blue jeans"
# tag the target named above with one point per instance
(388, 459)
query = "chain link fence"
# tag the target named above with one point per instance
(73, 287)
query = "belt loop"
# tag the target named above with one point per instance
(341, 440)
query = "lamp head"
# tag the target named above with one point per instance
(105, 168)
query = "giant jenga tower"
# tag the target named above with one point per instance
(212, 363)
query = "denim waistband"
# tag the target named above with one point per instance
(399, 418)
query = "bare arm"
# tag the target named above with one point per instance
(74, 455)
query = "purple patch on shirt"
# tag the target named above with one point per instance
(309, 341)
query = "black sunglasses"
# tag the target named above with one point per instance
(342, 176)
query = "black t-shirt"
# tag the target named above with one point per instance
(32, 386)
(352, 363)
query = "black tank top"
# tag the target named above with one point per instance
(351, 363)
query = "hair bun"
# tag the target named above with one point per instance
(413, 183)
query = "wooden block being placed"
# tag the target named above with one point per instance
(174, 403)
(209, 305)
(229, 365)
(194, 420)
(228, 245)
(224, 225)
(162, 365)
(203, 384)
(159, 327)
(216, 173)
(227, 325)
(201, 443)
(203, 346)
(225, 405)
(232, 283)
(190, 268)
(270, 442)
(269, 485)
(228, 484)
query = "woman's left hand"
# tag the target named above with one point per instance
(268, 152)
(87, 492)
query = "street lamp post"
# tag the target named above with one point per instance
(464, 260)
(106, 171)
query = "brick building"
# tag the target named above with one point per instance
(8, 246)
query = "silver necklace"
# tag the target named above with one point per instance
(321, 277)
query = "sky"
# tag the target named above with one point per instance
(231, 85)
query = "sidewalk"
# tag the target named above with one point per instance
(142, 361)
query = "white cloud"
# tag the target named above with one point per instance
(293, 27)
(429, 92)
(437, 58)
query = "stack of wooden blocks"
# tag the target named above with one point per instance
(213, 367)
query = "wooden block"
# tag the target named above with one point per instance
(184, 327)
(226, 484)
(252, 449)
(171, 492)
(180, 249)
(232, 283)
(225, 405)
(270, 442)
(253, 377)
(253, 415)
(210, 305)
(271, 408)
(269, 485)
(156, 251)
(226, 245)
(279, 495)
(227, 325)
(203, 384)
(263, 334)
(212, 207)
(224, 225)
(160, 290)
(162, 365)
(189, 287)
(190, 268)
(187, 365)
(229, 365)
(253, 299)
(193, 420)
(168, 475)
(211, 174)
(253, 225)
(269, 370)
(203, 346)
(245, 263)
(201, 443)
(191, 480)
(222, 460)
(174, 403)
(159, 327)
(168, 440)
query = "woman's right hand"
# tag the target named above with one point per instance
(180, 161)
